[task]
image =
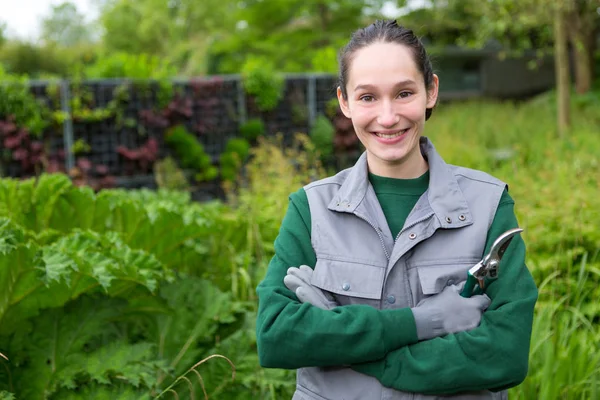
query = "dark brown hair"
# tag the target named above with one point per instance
(385, 31)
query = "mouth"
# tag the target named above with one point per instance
(390, 134)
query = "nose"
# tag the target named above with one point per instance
(388, 115)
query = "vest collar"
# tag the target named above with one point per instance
(443, 194)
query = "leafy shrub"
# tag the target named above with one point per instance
(169, 176)
(190, 153)
(262, 81)
(252, 129)
(322, 134)
(96, 300)
(232, 159)
(22, 58)
(238, 146)
(16, 100)
(125, 65)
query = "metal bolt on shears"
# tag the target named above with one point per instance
(487, 268)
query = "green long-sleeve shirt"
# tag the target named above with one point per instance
(383, 343)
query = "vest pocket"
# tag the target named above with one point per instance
(349, 279)
(433, 278)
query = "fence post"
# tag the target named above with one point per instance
(312, 100)
(241, 97)
(65, 100)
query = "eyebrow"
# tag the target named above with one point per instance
(406, 82)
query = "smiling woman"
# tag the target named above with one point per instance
(363, 296)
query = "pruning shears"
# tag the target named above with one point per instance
(488, 267)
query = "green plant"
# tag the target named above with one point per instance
(169, 176)
(94, 299)
(16, 100)
(80, 146)
(190, 153)
(322, 135)
(252, 129)
(262, 81)
(565, 350)
(232, 159)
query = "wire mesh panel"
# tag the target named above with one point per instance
(291, 115)
(326, 91)
(214, 119)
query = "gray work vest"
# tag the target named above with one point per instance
(359, 261)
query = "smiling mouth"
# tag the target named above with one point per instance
(391, 135)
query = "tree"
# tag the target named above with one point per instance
(66, 26)
(583, 20)
(561, 65)
(295, 35)
(177, 29)
(543, 26)
(2, 33)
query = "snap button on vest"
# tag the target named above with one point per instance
(461, 217)
(346, 286)
(412, 236)
(391, 299)
(448, 219)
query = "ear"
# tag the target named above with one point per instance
(343, 102)
(432, 94)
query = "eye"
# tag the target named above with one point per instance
(404, 94)
(367, 98)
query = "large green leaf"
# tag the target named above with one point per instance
(200, 315)
(167, 225)
(4, 395)
(65, 348)
(34, 277)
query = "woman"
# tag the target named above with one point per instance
(375, 311)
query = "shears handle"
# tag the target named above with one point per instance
(470, 285)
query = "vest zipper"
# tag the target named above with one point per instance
(413, 224)
(378, 234)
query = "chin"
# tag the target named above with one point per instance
(394, 158)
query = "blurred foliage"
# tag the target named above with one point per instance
(322, 134)
(139, 66)
(169, 176)
(232, 159)
(261, 81)
(252, 129)
(37, 61)
(18, 102)
(191, 153)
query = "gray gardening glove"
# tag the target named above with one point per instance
(298, 281)
(448, 312)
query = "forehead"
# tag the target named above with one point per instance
(382, 63)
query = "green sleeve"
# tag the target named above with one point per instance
(493, 356)
(294, 335)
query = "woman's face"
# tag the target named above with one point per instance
(386, 101)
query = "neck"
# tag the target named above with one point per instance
(411, 167)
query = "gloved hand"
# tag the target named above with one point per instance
(298, 281)
(448, 312)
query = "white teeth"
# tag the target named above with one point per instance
(391, 136)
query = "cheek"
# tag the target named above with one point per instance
(415, 111)
(361, 116)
